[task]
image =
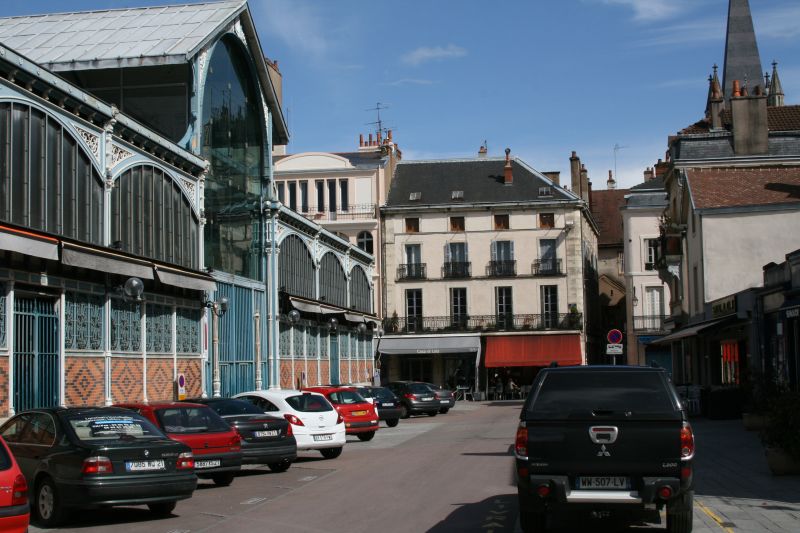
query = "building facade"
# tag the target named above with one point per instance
(485, 262)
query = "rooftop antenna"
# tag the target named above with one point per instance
(379, 129)
(617, 148)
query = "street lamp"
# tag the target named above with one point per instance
(333, 324)
(218, 308)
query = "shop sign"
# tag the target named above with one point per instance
(429, 350)
(723, 307)
(793, 313)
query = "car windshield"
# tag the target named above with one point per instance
(383, 393)
(309, 403)
(365, 392)
(234, 407)
(92, 427)
(419, 388)
(346, 397)
(187, 420)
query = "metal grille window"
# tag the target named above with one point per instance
(299, 334)
(47, 180)
(187, 330)
(344, 344)
(296, 268)
(284, 339)
(126, 326)
(159, 328)
(332, 281)
(360, 297)
(83, 321)
(323, 343)
(312, 336)
(2, 315)
(150, 216)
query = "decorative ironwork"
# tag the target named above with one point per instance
(83, 321)
(159, 329)
(353, 212)
(187, 330)
(299, 333)
(126, 326)
(324, 343)
(503, 322)
(36, 353)
(649, 323)
(498, 269)
(118, 155)
(284, 339)
(412, 271)
(91, 140)
(546, 267)
(190, 187)
(457, 269)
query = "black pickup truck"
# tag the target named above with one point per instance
(613, 440)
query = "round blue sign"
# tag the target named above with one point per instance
(614, 336)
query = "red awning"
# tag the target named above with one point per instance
(533, 350)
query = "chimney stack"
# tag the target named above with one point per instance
(611, 184)
(361, 141)
(508, 176)
(750, 126)
(554, 176)
(575, 174)
(649, 174)
(585, 185)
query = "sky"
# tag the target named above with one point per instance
(541, 77)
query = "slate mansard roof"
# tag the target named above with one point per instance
(480, 180)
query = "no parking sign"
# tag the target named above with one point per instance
(181, 386)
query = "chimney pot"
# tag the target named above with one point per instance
(737, 90)
(508, 176)
(361, 140)
(389, 135)
(574, 154)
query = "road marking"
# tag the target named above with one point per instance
(721, 523)
(307, 478)
(253, 501)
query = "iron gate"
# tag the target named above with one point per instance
(334, 364)
(36, 354)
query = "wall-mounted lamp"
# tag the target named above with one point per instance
(333, 324)
(634, 300)
(218, 307)
(131, 290)
(294, 316)
(362, 328)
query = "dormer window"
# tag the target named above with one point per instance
(545, 191)
(415, 196)
(457, 195)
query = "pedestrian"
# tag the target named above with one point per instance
(511, 388)
(498, 390)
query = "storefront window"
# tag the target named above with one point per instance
(83, 327)
(187, 330)
(126, 326)
(159, 329)
(232, 142)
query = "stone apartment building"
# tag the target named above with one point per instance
(490, 269)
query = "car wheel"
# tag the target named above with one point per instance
(47, 508)
(162, 508)
(366, 436)
(281, 466)
(532, 522)
(223, 480)
(392, 422)
(404, 411)
(331, 453)
(444, 410)
(679, 513)
(433, 413)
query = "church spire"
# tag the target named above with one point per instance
(775, 89)
(742, 61)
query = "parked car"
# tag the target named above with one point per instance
(216, 446)
(14, 508)
(316, 425)
(384, 401)
(266, 439)
(93, 456)
(360, 417)
(415, 398)
(447, 400)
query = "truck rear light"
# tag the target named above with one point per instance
(19, 493)
(543, 490)
(410, 396)
(293, 420)
(687, 441)
(185, 461)
(521, 442)
(97, 465)
(665, 492)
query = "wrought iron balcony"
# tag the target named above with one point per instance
(353, 212)
(649, 323)
(546, 267)
(478, 323)
(412, 271)
(499, 269)
(456, 270)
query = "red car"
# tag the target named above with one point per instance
(216, 445)
(359, 415)
(14, 508)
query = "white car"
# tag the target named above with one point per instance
(316, 425)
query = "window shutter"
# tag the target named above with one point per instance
(494, 250)
(447, 252)
(512, 250)
(466, 252)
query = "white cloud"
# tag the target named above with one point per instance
(424, 54)
(409, 81)
(649, 10)
(296, 24)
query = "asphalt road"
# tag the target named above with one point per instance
(452, 472)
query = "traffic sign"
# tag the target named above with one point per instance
(613, 349)
(614, 336)
(181, 386)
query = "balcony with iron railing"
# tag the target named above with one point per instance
(501, 269)
(546, 267)
(455, 270)
(412, 271)
(477, 323)
(352, 212)
(649, 324)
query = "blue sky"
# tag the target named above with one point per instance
(543, 77)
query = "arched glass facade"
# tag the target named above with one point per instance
(47, 180)
(360, 298)
(151, 217)
(296, 275)
(332, 281)
(232, 141)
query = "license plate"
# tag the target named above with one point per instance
(144, 466)
(358, 413)
(269, 433)
(427, 399)
(212, 463)
(445, 401)
(387, 405)
(318, 438)
(603, 482)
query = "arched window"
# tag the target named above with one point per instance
(47, 180)
(360, 296)
(296, 268)
(332, 281)
(364, 241)
(232, 142)
(151, 217)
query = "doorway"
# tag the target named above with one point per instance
(36, 352)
